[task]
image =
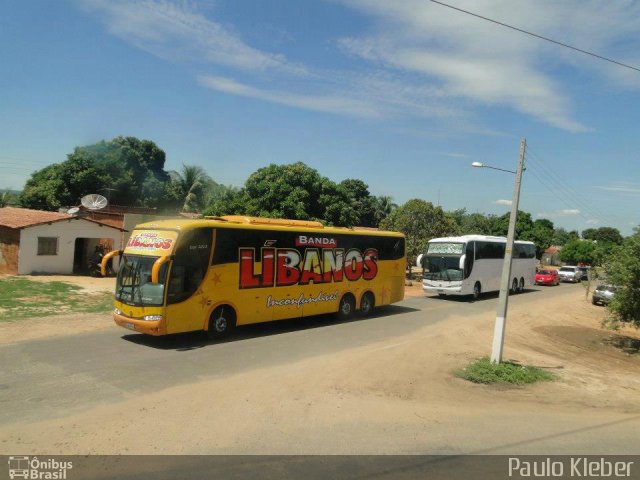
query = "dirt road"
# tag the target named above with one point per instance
(395, 395)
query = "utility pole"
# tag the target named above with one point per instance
(503, 299)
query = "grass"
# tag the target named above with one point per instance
(487, 372)
(21, 298)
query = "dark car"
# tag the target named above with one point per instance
(585, 272)
(603, 294)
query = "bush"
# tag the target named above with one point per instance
(485, 371)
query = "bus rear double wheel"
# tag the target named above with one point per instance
(347, 307)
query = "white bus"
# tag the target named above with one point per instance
(472, 264)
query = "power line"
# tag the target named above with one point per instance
(586, 52)
(566, 194)
(566, 188)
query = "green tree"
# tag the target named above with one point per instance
(190, 186)
(623, 269)
(603, 235)
(524, 225)
(294, 191)
(7, 198)
(126, 169)
(420, 221)
(579, 251)
(474, 223)
(383, 206)
(541, 233)
(562, 236)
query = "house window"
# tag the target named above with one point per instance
(47, 245)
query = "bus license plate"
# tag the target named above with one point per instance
(130, 326)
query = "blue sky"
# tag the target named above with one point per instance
(403, 95)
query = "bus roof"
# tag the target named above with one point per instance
(483, 238)
(260, 223)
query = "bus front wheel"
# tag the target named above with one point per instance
(221, 322)
(514, 286)
(477, 290)
(347, 307)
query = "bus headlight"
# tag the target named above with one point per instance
(152, 318)
(117, 311)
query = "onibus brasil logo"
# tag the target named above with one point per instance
(36, 469)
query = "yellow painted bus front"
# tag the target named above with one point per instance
(174, 274)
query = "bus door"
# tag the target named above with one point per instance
(189, 296)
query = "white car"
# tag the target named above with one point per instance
(569, 273)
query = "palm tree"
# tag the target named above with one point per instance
(384, 206)
(6, 198)
(192, 181)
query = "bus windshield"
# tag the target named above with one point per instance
(442, 268)
(133, 285)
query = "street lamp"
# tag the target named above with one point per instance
(503, 299)
(482, 165)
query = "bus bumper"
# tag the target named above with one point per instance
(455, 289)
(150, 327)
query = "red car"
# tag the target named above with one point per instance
(547, 277)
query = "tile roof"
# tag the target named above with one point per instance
(24, 217)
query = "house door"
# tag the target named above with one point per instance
(84, 248)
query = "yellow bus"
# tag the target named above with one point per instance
(215, 273)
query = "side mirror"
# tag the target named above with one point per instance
(155, 269)
(462, 259)
(419, 260)
(105, 260)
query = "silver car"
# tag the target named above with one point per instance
(604, 294)
(569, 273)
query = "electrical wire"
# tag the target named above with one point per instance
(567, 202)
(565, 193)
(586, 52)
(566, 188)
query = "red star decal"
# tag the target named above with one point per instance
(204, 302)
(199, 291)
(216, 278)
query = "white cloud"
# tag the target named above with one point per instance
(622, 187)
(178, 32)
(420, 59)
(470, 58)
(503, 202)
(331, 104)
(567, 212)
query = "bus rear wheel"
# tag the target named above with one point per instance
(221, 322)
(521, 285)
(347, 307)
(514, 287)
(367, 303)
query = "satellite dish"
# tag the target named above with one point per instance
(73, 210)
(93, 201)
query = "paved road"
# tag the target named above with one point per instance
(63, 375)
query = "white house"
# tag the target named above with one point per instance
(35, 241)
